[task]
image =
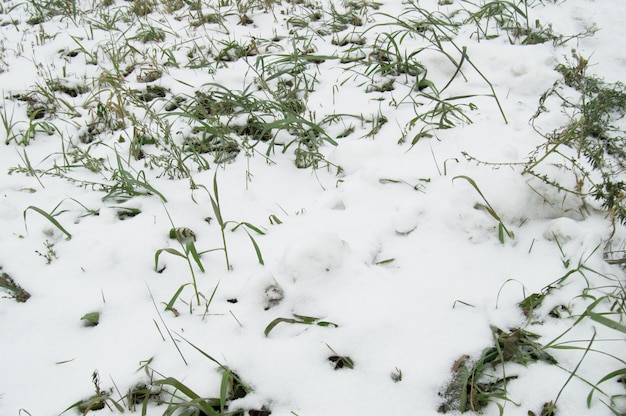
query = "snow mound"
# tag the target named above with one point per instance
(314, 255)
(562, 229)
(404, 220)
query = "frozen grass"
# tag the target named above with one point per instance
(304, 160)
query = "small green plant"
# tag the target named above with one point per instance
(223, 224)
(189, 252)
(49, 254)
(340, 361)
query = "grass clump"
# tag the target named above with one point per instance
(14, 290)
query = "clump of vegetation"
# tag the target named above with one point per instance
(98, 401)
(175, 396)
(15, 290)
(590, 146)
(477, 383)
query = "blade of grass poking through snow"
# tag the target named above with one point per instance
(246, 226)
(274, 220)
(166, 327)
(501, 227)
(573, 372)
(208, 303)
(224, 389)
(215, 204)
(30, 168)
(189, 248)
(617, 374)
(186, 257)
(167, 250)
(607, 322)
(299, 319)
(49, 218)
(220, 365)
(170, 304)
(553, 343)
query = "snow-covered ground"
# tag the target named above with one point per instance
(396, 254)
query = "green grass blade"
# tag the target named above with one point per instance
(216, 211)
(168, 250)
(616, 373)
(49, 218)
(275, 220)
(607, 322)
(573, 372)
(249, 226)
(170, 304)
(275, 322)
(223, 367)
(488, 206)
(196, 401)
(226, 379)
(172, 382)
(257, 250)
(191, 248)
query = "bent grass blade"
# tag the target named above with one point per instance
(48, 217)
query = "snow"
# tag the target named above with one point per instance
(396, 250)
